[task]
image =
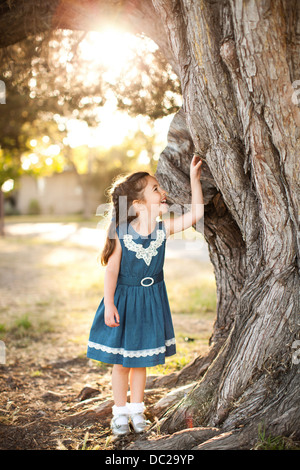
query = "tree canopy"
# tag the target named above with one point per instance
(49, 80)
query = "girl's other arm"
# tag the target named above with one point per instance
(196, 211)
(111, 315)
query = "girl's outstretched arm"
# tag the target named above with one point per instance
(196, 211)
(111, 315)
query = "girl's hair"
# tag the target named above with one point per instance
(131, 188)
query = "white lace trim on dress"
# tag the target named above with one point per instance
(137, 353)
(145, 253)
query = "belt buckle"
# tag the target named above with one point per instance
(147, 285)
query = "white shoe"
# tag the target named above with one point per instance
(137, 417)
(118, 426)
(119, 423)
(138, 422)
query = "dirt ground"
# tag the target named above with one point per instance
(47, 302)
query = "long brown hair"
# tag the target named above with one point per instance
(132, 187)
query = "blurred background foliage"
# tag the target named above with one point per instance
(57, 88)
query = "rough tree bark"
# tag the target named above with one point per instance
(237, 61)
(236, 68)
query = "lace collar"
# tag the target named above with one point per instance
(145, 253)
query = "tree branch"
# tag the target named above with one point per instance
(19, 20)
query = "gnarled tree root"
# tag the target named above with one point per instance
(186, 439)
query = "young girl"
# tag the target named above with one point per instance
(132, 328)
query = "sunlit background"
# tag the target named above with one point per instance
(101, 105)
(113, 50)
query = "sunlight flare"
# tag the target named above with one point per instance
(111, 48)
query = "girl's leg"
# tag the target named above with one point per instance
(136, 405)
(137, 384)
(119, 381)
(119, 422)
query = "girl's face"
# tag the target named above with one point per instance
(154, 198)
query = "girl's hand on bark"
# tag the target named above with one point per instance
(195, 168)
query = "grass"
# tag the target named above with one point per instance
(23, 323)
(199, 297)
(47, 218)
(191, 286)
(269, 442)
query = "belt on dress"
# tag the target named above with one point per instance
(145, 282)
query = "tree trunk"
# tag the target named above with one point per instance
(237, 91)
(237, 63)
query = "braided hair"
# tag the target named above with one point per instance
(122, 194)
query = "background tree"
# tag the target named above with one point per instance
(236, 62)
(19, 125)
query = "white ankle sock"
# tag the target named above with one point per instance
(136, 407)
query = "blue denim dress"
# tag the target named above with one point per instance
(145, 335)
